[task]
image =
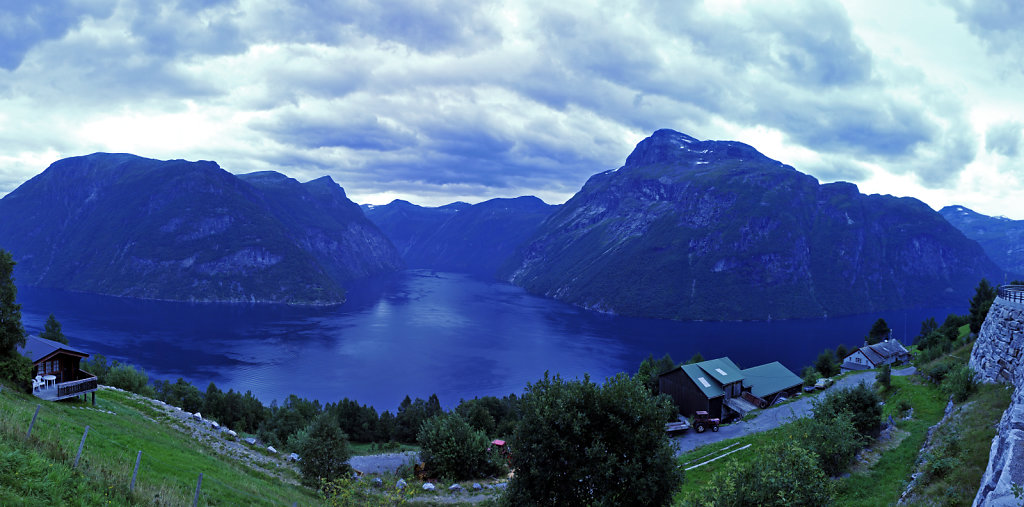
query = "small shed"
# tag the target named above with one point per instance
(57, 365)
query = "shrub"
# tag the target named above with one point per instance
(832, 438)
(781, 473)
(960, 383)
(453, 449)
(861, 402)
(324, 451)
(884, 377)
(18, 369)
(579, 443)
(125, 376)
(810, 376)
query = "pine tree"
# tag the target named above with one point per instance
(984, 295)
(12, 334)
(53, 331)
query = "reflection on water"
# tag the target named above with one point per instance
(417, 333)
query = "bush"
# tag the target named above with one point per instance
(861, 402)
(324, 451)
(884, 377)
(832, 438)
(960, 383)
(18, 369)
(781, 473)
(453, 449)
(579, 443)
(125, 376)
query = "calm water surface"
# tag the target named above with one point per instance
(418, 333)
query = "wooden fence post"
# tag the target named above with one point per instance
(195, 500)
(33, 423)
(80, 446)
(136, 472)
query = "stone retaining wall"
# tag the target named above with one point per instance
(997, 357)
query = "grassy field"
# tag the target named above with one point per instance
(38, 470)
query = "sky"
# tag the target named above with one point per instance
(439, 101)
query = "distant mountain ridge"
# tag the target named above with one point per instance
(124, 225)
(691, 229)
(1001, 238)
(460, 237)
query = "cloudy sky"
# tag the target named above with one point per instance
(437, 101)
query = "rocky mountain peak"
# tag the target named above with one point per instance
(668, 146)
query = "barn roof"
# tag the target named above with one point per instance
(37, 348)
(722, 370)
(707, 384)
(768, 379)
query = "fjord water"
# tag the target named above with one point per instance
(418, 333)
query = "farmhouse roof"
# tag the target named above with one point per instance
(38, 349)
(768, 379)
(880, 352)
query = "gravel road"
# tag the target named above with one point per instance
(771, 417)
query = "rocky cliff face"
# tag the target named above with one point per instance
(128, 226)
(998, 356)
(691, 229)
(1001, 238)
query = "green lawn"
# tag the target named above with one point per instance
(38, 471)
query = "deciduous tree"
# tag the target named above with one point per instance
(584, 444)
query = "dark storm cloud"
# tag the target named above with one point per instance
(997, 22)
(362, 132)
(186, 28)
(1005, 138)
(24, 24)
(420, 25)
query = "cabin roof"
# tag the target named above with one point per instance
(768, 379)
(39, 349)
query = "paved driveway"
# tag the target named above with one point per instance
(769, 418)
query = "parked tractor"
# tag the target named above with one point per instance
(703, 421)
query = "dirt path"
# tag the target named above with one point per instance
(771, 417)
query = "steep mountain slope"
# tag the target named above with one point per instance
(128, 226)
(407, 224)
(1001, 238)
(459, 237)
(691, 229)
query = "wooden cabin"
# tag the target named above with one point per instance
(723, 390)
(56, 371)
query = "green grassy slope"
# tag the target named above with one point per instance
(38, 470)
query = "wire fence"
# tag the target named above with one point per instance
(127, 467)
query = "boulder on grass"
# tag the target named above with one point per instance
(250, 441)
(428, 486)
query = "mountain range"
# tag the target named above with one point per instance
(691, 229)
(129, 226)
(685, 229)
(459, 237)
(1001, 238)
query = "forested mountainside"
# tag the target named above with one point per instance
(124, 225)
(691, 229)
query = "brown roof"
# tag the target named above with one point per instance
(40, 349)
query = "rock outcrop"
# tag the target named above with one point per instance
(998, 356)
